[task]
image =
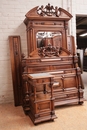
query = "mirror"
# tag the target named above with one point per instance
(45, 38)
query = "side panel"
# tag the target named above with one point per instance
(15, 55)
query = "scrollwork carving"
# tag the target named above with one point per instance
(48, 10)
(49, 51)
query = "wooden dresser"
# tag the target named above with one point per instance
(50, 73)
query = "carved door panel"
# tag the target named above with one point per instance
(70, 81)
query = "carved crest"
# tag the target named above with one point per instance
(48, 10)
(49, 51)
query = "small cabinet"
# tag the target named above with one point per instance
(41, 102)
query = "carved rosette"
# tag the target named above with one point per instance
(48, 10)
(49, 51)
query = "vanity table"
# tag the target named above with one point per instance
(50, 75)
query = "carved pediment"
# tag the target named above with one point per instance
(48, 12)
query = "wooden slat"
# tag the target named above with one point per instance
(15, 55)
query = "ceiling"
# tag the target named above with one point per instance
(81, 24)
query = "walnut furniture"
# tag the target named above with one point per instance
(50, 73)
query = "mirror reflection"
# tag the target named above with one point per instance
(46, 38)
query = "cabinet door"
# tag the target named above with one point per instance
(43, 106)
(70, 81)
(65, 81)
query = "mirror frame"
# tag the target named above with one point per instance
(32, 36)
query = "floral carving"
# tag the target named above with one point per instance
(48, 10)
(49, 51)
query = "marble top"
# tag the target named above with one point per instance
(39, 75)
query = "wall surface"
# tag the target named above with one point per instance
(12, 14)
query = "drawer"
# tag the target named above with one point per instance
(48, 23)
(37, 69)
(72, 95)
(56, 67)
(65, 95)
(43, 80)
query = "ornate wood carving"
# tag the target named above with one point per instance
(49, 51)
(49, 11)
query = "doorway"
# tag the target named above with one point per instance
(81, 38)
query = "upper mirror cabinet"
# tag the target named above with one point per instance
(46, 25)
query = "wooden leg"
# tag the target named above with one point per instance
(80, 103)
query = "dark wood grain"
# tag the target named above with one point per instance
(15, 54)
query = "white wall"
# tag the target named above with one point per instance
(12, 14)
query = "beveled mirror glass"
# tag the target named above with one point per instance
(45, 38)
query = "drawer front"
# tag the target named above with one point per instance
(56, 67)
(48, 24)
(43, 80)
(64, 96)
(72, 95)
(43, 106)
(38, 69)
